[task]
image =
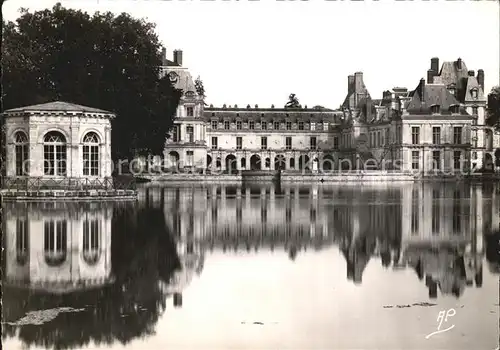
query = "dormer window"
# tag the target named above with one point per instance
(263, 125)
(190, 111)
(435, 109)
(474, 110)
(190, 94)
(473, 93)
(454, 109)
(452, 89)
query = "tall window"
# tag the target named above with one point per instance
(263, 142)
(436, 212)
(414, 211)
(474, 138)
(436, 135)
(312, 142)
(301, 125)
(239, 142)
(91, 243)
(54, 154)
(22, 153)
(289, 125)
(436, 160)
(55, 236)
(214, 142)
(415, 135)
(226, 124)
(190, 111)
(175, 133)
(91, 154)
(189, 158)
(276, 126)
(474, 110)
(288, 142)
(190, 133)
(456, 160)
(214, 124)
(238, 125)
(21, 241)
(251, 125)
(263, 125)
(415, 160)
(457, 135)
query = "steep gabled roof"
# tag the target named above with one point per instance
(433, 94)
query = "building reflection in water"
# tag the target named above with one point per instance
(57, 247)
(435, 229)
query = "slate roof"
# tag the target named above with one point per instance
(451, 74)
(184, 80)
(472, 83)
(272, 114)
(434, 94)
(57, 106)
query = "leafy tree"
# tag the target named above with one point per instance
(493, 110)
(293, 102)
(103, 61)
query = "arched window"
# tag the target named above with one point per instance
(91, 242)
(55, 236)
(54, 154)
(22, 153)
(91, 154)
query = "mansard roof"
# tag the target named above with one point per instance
(273, 114)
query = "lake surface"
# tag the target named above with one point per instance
(257, 267)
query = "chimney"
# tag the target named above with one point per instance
(350, 84)
(459, 63)
(435, 65)
(177, 300)
(164, 56)
(421, 89)
(430, 76)
(178, 57)
(471, 73)
(480, 78)
(358, 81)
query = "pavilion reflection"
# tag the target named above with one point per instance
(435, 229)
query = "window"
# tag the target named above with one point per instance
(276, 126)
(378, 139)
(214, 142)
(190, 111)
(414, 212)
(289, 125)
(325, 126)
(239, 142)
(415, 160)
(301, 125)
(452, 90)
(21, 241)
(22, 153)
(319, 126)
(288, 142)
(214, 124)
(91, 154)
(175, 134)
(436, 160)
(415, 135)
(263, 142)
(189, 158)
(436, 212)
(226, 125)
(54, 154)
(335, 142)
(474, 138)
(55, 242)
(455, 109)
(475, 110)
(456, 160)
(435, 109)
(457, 135)
(436, 135)
(473, 93)
(251, 125)
(190, 133)
(474, 155)
(263, 125)
(312, 142)
(238, 125)
(91, 244)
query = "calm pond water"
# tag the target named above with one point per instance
(257, 267)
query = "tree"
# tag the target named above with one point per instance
(103, 61)
(493, 109)
(293, 102)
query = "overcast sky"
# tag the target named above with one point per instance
(258, 52)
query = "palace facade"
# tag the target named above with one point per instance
(437, 127)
